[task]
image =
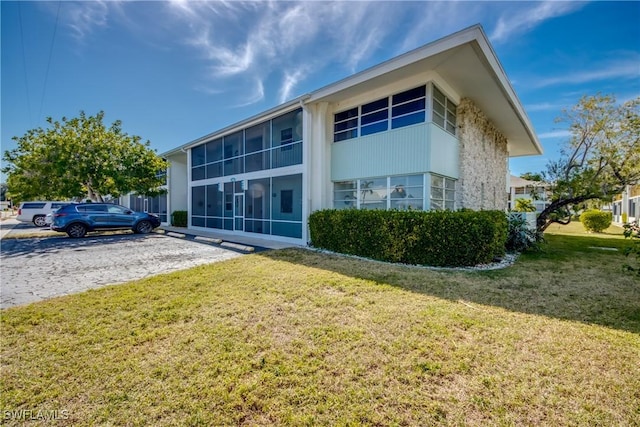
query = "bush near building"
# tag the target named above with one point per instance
(595, 220)
(461, 238)
(179, 218)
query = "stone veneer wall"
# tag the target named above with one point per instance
(483, 160)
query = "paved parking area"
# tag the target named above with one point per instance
(35, 269)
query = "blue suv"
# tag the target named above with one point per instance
(76, 220)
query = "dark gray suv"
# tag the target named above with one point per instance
(76, 220)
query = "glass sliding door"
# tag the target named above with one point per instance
(238, 211)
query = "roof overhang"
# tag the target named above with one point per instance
(469, 65)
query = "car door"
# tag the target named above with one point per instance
(120, 217)
(95, 215)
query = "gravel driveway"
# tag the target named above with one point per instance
(39, 268)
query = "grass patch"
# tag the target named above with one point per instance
(575, 228)
(296, 337)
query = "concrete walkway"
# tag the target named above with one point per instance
(6, 225)
(227, 239)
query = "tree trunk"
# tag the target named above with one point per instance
(95, 197)
(543, 221)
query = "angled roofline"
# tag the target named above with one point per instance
(474, 33)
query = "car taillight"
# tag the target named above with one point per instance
(56, 215)
(19, 211)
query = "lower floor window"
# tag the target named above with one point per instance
(271, 205)
(154, 205)
(443, 193)
(395, 192)
(403, 192)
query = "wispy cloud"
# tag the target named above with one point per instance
(243, 45)
(83, 18)
(276, 32)
(289, 82)
(623, 68)
(544, 106)
(555, 134)
(522, 19)
(256, 94)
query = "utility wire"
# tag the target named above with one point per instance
(46, 75)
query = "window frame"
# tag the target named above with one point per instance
(352, 194)
(448, 114)
(448, 187)
(399, 110)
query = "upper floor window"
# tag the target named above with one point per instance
(345, 125)
(408, 107)
(271, 144)
(393, 112)
(444, 111)
(374, 117)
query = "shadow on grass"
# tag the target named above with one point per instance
(573, 278)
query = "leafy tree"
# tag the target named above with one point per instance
(81, 157)
(530, 176)
(600, 159)
(524, 205)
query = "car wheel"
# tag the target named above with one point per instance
(39, 221)
(76, 230)
(144, 227)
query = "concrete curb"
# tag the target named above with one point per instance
(237, 247)
(211, 241)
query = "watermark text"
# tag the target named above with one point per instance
(35, 415)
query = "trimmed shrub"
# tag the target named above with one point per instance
(446, 238)
(520, 236)
(179, 218)
(595, 220)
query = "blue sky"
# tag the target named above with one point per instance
(175, 71)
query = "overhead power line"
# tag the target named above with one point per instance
(46, 75)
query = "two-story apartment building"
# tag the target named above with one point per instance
(536, 192)
(430, 129)
(626, 206)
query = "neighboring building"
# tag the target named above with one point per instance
(627, 203)
(156, 205)
(537, 192)
(431, 129)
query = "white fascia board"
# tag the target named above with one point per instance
(423, 52)
(504, 82)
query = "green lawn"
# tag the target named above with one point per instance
(296, 337)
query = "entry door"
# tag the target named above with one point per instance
(238, 212)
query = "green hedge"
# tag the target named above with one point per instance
(595, 220)
(179, 218)
(447, 238)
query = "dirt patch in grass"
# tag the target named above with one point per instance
(295, 337)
